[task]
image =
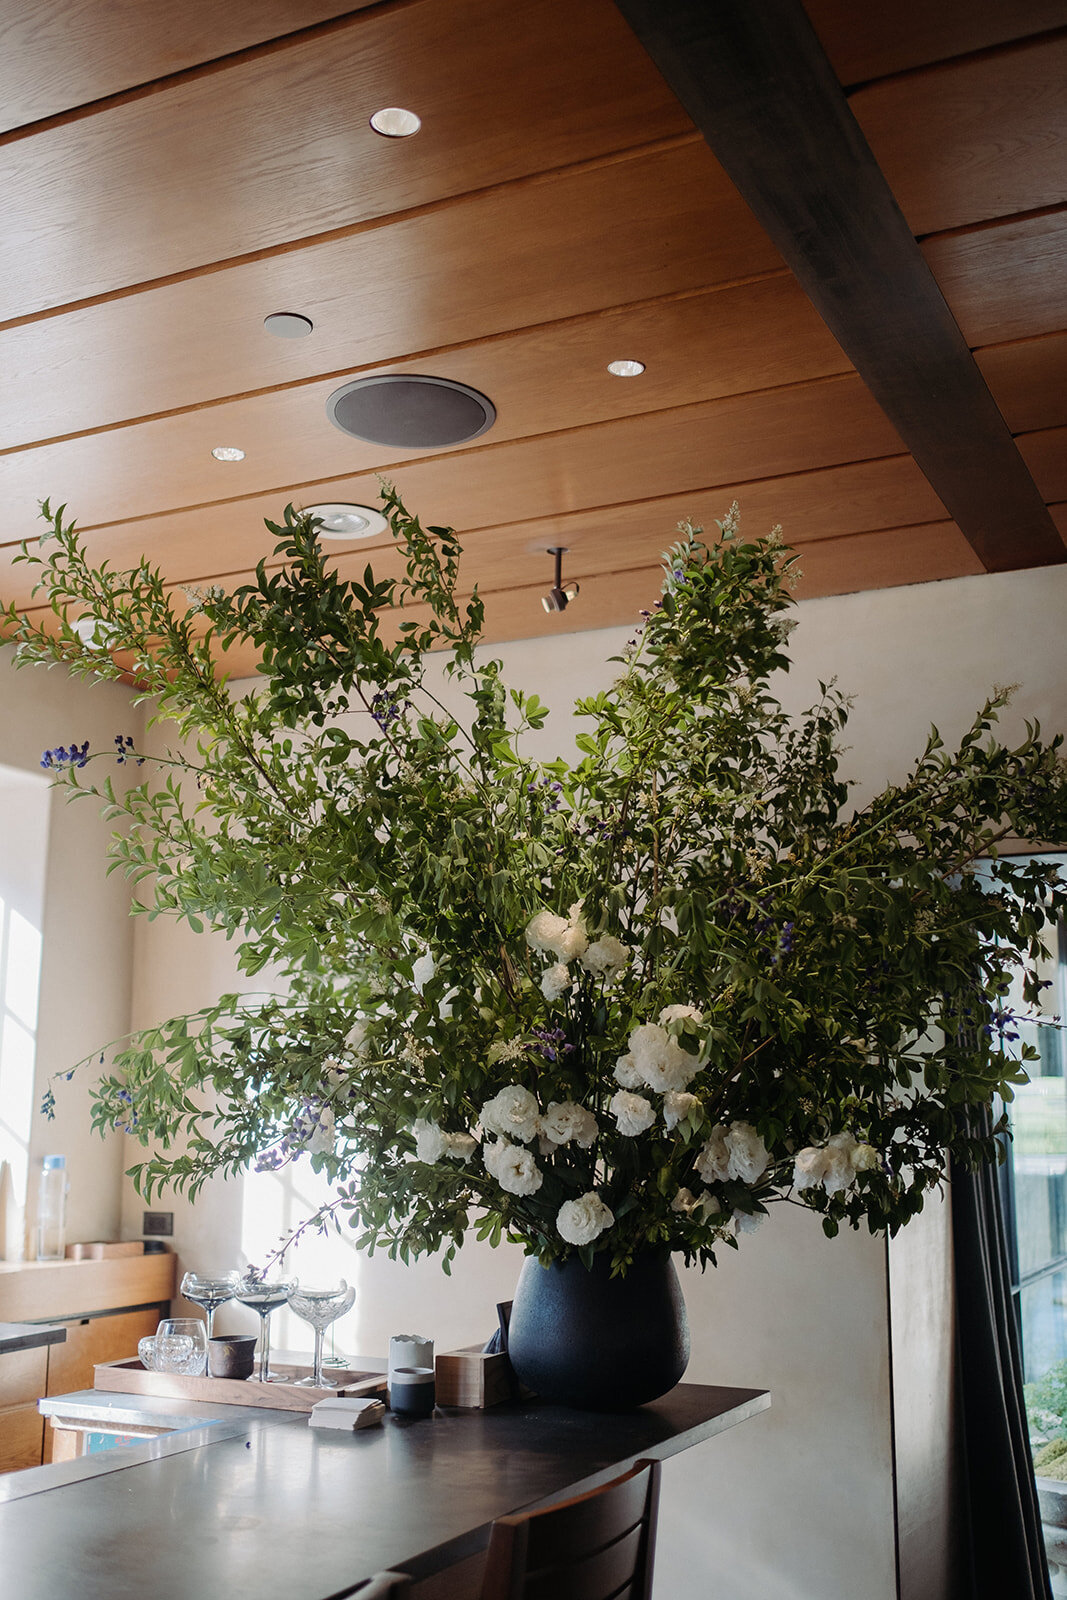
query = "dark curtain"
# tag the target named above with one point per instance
(1001, 1523)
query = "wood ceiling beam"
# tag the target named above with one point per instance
(757, 83)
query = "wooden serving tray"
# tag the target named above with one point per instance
(129, 1377)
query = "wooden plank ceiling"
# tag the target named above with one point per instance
(170, 176)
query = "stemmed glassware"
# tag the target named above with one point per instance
(320, 1307)
(264, 1295)
(209, 1292)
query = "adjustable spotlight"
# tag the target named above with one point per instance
(559, 598)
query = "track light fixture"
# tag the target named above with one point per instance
(559, 598)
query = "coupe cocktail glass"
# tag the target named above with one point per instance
(209, 1292)
(264, 1295)
(320, 1307)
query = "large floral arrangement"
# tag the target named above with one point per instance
(623, 1002)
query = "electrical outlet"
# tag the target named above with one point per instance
(158, 1225)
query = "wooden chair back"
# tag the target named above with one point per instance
(598, 1546)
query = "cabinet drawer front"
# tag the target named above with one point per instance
(23, 1376)
(21, 1435)
(96, 1339)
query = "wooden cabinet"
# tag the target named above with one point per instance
(105, 1306)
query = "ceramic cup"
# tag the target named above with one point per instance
(412, 1391)
(231, 1355)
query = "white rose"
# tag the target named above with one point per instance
(460, 1146)
(543, 931)
(743, 1223)
(840, 1172)
(512, 1113)
(606, 957)
(515, 1169)
(660, 1059)
(632, 1113)
(628, 1073)
(748, 1153)
(677, 1106)
(422, 972)
(566, 1120)
(679, 1014)
(581, 1221)
(430, 1141)
(685, 1202)
(713, 1162)
(555, 982)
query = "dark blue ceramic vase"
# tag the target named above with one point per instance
(585, 1339)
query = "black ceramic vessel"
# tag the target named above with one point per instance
(585, 1339)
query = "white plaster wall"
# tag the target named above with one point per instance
(797, 1503)
(88, 937)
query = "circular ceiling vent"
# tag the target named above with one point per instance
(410, 412)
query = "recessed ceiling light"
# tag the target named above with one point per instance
(626, 369)
(410, 411)
(393, 122)
(288, 325)
(339, 520)
(227, 452)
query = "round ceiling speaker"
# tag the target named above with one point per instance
(410, 412)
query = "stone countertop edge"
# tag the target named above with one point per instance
(29, 1335)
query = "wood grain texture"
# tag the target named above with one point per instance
(23, 1376)
(872, 41)
(982, 138)
(55, 55)
(542, 381)
(39, 1291)
(1004, 281)
(94, 1340)
(1029, 381)
(472, 270)
(279, 147)
(21, 1438)
(1045, 453)
(758, 85)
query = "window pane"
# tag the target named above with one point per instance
(1043, 1313)
(1039, 1155)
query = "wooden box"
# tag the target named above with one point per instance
(130, 1377)
(472, 1380)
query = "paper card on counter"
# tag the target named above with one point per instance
(343, 1412)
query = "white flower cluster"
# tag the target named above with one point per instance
(833, 1165)
(655, 1060)
(736, 1151)
(514, 1118)
(567, 939)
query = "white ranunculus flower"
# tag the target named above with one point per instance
(748, 1153)
(422, 972)
(460, 1146)
(513, 1113)
(840, 1172)
(744, 1223)
(555, 982)
(865, 1158)
(679, 1014)
(628, 1073)
(543, 932)
(606, 957)
(677, 1106)
(632, 1112)
(581, 1221)
(810, 1167)
(566, 1120)
(660, 1059)
(515, 1169)
(713, 1162)
(430, 1141)
(573, 942)
(684, 1202)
